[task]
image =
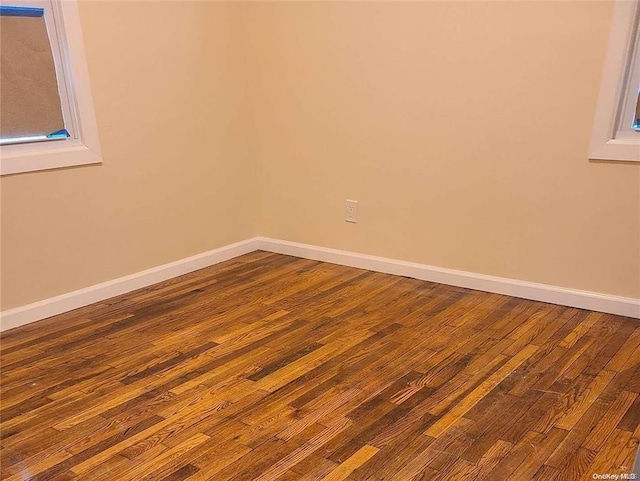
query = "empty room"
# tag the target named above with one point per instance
(319, 240)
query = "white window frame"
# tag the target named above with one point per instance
(83, 146)
(611, 138)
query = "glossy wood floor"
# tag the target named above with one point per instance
(271, 367)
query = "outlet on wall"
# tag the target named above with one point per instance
(352, 211)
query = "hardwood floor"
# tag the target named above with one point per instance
(271, 367)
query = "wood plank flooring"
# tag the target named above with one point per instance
(270, 367)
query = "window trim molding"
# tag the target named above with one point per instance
(84, 150)
(604, 145)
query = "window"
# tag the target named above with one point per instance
(616, 131)
(46, 110)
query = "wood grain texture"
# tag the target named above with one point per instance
(268, 367)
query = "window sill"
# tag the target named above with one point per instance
(46, 159)
(616, 149)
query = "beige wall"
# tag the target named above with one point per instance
(169, 96)
(460, 127)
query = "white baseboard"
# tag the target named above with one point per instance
(99, 292)
(623, 306)
(19, 316)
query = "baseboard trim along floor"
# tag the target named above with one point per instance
(99, 292)
(622, 306)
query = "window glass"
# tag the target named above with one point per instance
(29, 95)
